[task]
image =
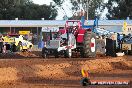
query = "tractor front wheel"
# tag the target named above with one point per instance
(68, 53)
(56, 54)
(44, 52)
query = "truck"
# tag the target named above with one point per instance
(124, 39)
(75, 37)
(15, 39)
(126, 44)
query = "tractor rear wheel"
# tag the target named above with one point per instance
(89, 44)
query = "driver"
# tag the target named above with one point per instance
(75, 28)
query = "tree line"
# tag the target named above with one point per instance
(27, 10)
(117, 9)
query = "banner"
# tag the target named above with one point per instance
(47, 29)
(125, 25)
(24, 32)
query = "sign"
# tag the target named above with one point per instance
(47, 29)
(24, 32)
(125, 25)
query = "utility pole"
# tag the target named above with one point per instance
(87, 8)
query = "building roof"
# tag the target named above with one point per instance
(30, 23)
(54, 23)
(114, 22)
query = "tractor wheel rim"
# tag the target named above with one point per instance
(92, 45)
(70, 52)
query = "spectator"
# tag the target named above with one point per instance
(1, 43)
(4, 48)
(19, 46)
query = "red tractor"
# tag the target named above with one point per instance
(74, 37)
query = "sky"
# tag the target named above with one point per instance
(66, 6)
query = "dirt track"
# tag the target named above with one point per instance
(22, 72)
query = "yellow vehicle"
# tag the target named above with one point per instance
(127, 44)
(25, 45)
(8, 39)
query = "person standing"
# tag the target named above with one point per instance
(4, 48)
(1, 43)
(19, 46)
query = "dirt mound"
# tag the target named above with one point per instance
(8, 74)
(106, 65)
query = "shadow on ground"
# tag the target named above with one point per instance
(121, 65)
(21, 55)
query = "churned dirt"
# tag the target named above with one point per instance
(26, 70)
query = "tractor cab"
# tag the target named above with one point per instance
(72, 25)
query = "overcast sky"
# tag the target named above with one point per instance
(61, 12)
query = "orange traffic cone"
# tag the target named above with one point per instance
(84, 73)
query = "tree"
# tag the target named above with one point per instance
(94, 7)
(91, 5)
(48, 12)
(59, 2)
(26, 9)
(8, 6)
(119, 9)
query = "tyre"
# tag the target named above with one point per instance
(127, 52)
(14, 48)
(89, 47)
(44, 52)
(130, 52)
(56, 54)
(1, 49)
(82, 52)
(68, 53)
